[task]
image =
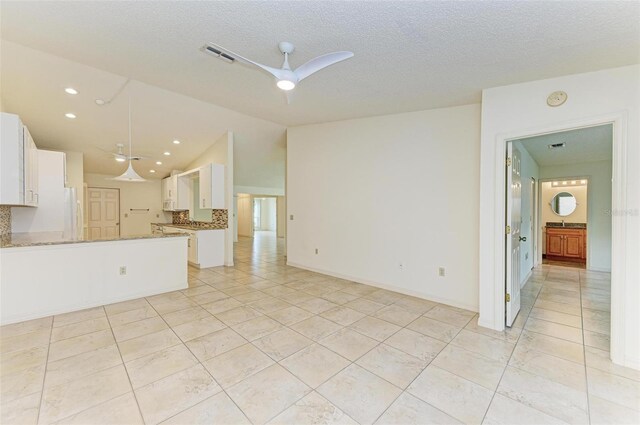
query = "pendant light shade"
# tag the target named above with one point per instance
(130, 175)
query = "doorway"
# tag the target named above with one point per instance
(566, 265)
(103, 212)
(264, 214)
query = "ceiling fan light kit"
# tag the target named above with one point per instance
(286, 78)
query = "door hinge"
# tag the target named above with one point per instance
(507, 297)
(508, 230)
(508, 162)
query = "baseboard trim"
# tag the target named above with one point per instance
(393, 288)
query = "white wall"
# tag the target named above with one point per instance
(75, 173)
(528, 170)
(598, 205)
(372, 193)
(134, 195)
(221, 152)
(520, 110)
(267, 214)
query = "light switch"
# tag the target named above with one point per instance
(291, 217)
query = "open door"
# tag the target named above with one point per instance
(514, 221)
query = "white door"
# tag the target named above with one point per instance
(514, 222)
(103, 212)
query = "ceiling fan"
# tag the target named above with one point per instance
(120, 156)
(287, 78)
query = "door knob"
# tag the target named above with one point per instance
(523, 238)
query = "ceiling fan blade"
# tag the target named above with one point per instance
(232, 56)
(316, 64)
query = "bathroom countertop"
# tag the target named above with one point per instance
(19, 240)
(556, 225)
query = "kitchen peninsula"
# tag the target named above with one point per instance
(46, 273)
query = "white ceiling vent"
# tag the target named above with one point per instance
(557, 145)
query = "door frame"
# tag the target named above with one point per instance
(119, 217)
(492, 309)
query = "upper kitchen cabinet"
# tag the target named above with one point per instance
(18, 163)
(211, 190)
(170, 193)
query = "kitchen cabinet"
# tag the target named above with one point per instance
(568, 244)
(211, 189)
(170, 193)
(205, 248)
(18, 163)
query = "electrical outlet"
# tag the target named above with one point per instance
(291, 217)
(316, 251)
(441, 271)
(526, 255)
(123, 270)
(401, 266)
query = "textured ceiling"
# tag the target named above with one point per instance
(408, 55)
(582, 145)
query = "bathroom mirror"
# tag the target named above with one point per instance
(563, 204)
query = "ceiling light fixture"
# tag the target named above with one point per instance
(564, 183)
(583, 182)
(167, 153)
(176, 142)
(158, 162)
(120, 159)
(152, 171)
(70, 115)
(287, 84)
(130, 175)
(71, 90)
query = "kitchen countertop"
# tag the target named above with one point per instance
(18, 240)
(188, 226)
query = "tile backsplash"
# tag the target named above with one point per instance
(220, 219)
(5, 220)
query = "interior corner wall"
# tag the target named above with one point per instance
(598, 207)
(134, 196)
(529, 169)
(281, 217)
(388, 200)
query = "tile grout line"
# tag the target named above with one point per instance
(44, 376)
(124, 366)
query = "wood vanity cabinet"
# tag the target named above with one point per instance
(566, 243)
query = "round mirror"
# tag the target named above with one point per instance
(563, 204)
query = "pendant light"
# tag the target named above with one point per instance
(130, 175)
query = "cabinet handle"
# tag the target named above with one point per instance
(189, 242)
(202, 202)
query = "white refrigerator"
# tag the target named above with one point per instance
(58, 208)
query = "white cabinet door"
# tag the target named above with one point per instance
(31, 170)
(211, 186)
(192, 253)
(18, 163)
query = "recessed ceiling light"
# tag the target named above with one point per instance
(120, 159)
(71, 90)
(100, 102)
(167, 153)
(158, 162)
(176, 142)
(152, 171)
(70, 115)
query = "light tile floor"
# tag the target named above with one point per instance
(266, 343)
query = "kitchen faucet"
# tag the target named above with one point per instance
(562, 223)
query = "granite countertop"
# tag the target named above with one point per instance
(567, 225)
(18, 240)
(188, 226)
